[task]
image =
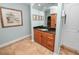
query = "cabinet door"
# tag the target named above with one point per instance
(50, 41)
(53, 20)
(37, 36)
(44, 39)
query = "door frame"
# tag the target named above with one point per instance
(58, 29)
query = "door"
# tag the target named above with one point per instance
(44, 39)
(70, 34)
(50, 41)
(37, 35)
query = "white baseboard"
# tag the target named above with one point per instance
(13, 41)
(74, 50)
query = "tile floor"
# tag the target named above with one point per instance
(25, 47)
(64, 51)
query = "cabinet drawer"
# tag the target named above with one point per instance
(50, 38)
(51, 35)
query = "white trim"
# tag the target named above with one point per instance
(58, 29)
(70, 48)
(13, 41)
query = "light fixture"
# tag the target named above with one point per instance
(39, 4)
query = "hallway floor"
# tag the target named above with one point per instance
(25, 47)
(65, 51)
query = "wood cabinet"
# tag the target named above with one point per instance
(50, 41)
(53, 20)
(37, 36)
(46, 39)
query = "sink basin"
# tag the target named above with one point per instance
(44, 29)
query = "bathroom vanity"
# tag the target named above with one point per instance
(45, 37)
(43, 24)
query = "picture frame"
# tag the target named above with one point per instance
(10, 17)
(37, 17)
(33, 17)
(41, 17)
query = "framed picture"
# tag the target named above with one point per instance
(33, 17)
(38, 17)
(11, 17)
(41, 17)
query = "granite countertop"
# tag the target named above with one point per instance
(45, 29)
(52, 32)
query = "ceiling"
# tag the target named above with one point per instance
(43, 6)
